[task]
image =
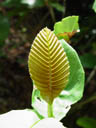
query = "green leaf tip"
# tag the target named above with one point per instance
(67, 27)
(67, 24)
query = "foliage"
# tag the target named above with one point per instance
(17, 11)
(33, 4)
(49, 62)
(4, 27)
(20, 8)
(24, 18)
(71, 94)
(67, 27)
(94, 6)
(48, 67)
(86, 122)
(67, 24)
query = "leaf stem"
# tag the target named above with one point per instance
(50, 110)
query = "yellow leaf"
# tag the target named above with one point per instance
(48, 65)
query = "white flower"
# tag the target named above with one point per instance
(18, 119)
(27, 119)
(49, 123)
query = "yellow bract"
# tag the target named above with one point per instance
(48, 65)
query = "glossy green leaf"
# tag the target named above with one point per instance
(88, 60)
(18, 119)
(94, 6)
(71, 94)
(4, 27)
(48, 65)
(86, 122)
(67, 24)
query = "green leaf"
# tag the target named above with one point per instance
(68, 24)
(57, 6)
(94, 6)
(86, 122)
(71, 94)
(75, 86)
(18, 119)
(4, 27)
(88, 60)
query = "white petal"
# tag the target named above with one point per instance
(49, 123)
(18, 119)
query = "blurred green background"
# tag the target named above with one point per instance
(20, 21)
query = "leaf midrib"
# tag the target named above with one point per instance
(50, 70)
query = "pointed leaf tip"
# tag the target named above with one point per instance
(48, 65)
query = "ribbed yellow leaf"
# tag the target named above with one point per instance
(48, 65)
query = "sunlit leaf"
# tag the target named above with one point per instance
(77, 76)
(68, 24)
(48, 65)
(67, 27)
(71, 94)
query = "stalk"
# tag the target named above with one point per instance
(50, 110)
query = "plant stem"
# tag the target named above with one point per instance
(51, 11)
(64, 4)
(50, 110)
